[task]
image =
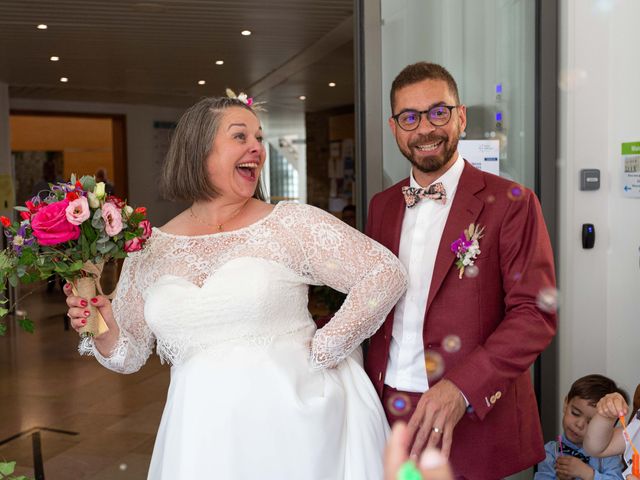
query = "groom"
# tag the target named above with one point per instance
(453, 357)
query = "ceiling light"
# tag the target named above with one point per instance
(42, 26)
(246, 33)
(54, 58)
(219, 62)
(332, 84)
(302, 97)
(64, 79)
(201, 82)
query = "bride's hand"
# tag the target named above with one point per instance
(79, 311)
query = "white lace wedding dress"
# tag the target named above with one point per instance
(256, 392)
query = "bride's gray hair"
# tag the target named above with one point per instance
(184, 174)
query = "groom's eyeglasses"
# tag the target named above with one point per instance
(438, 116)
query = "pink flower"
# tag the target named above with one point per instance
(78, 211)
(133, 245)
(145, 225)
(112, 219)
(50, 225)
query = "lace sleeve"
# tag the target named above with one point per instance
(343, 258)
(135, 342)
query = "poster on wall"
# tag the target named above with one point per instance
(482, 154)
(631, 169)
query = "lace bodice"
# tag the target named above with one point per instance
(193, 293)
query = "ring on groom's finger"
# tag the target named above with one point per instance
(437, 430)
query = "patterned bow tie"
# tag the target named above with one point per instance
(434, 192)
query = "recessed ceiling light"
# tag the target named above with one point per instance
(246, 33)
(302, 97)
(332, 84)
(64, 79)
(219, 62)
(54, 58)
(42, 26)
(201, 82)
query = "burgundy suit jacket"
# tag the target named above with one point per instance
(502, 330)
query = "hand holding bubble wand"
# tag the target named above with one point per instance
(635, 462)
(559, 450)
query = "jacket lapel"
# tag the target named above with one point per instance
(392, 217)
(465, 209)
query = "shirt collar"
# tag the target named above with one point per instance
(566, 441)
(449, 179)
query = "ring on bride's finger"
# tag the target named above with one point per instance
(437, 430)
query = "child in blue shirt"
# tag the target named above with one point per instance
(567, 459)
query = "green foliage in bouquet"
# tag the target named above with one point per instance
(74, 226)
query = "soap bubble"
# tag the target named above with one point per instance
(515, 192)
(547, 300)
(434, 364)
(571, 79)
(471, 271)
(399, 404)
(451, 343)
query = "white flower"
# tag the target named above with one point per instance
(93, 200)
(127, 211)
(99, 191)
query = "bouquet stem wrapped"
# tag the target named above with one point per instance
(89, 287)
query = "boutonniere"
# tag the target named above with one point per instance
(467, 247)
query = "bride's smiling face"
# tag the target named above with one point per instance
(237, 155)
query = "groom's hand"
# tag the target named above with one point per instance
(438, 412)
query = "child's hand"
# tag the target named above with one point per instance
(570, 467)
(612, 406)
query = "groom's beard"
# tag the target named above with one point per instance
(431, 163)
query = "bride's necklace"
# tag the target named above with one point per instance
(218, 226)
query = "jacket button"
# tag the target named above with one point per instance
(498, 395)
(492, 399)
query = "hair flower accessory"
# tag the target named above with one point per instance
(466, 247)
(246, 99)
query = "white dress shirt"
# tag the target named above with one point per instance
(420, 236)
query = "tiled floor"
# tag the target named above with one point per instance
(45, 383)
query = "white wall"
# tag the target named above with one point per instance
(599, 330)
(143, 189)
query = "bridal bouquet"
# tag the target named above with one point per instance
(72, 232)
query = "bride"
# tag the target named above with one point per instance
(222, 290)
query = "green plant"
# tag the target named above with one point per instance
(7, 469)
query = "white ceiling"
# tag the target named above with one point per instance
(154, 52)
